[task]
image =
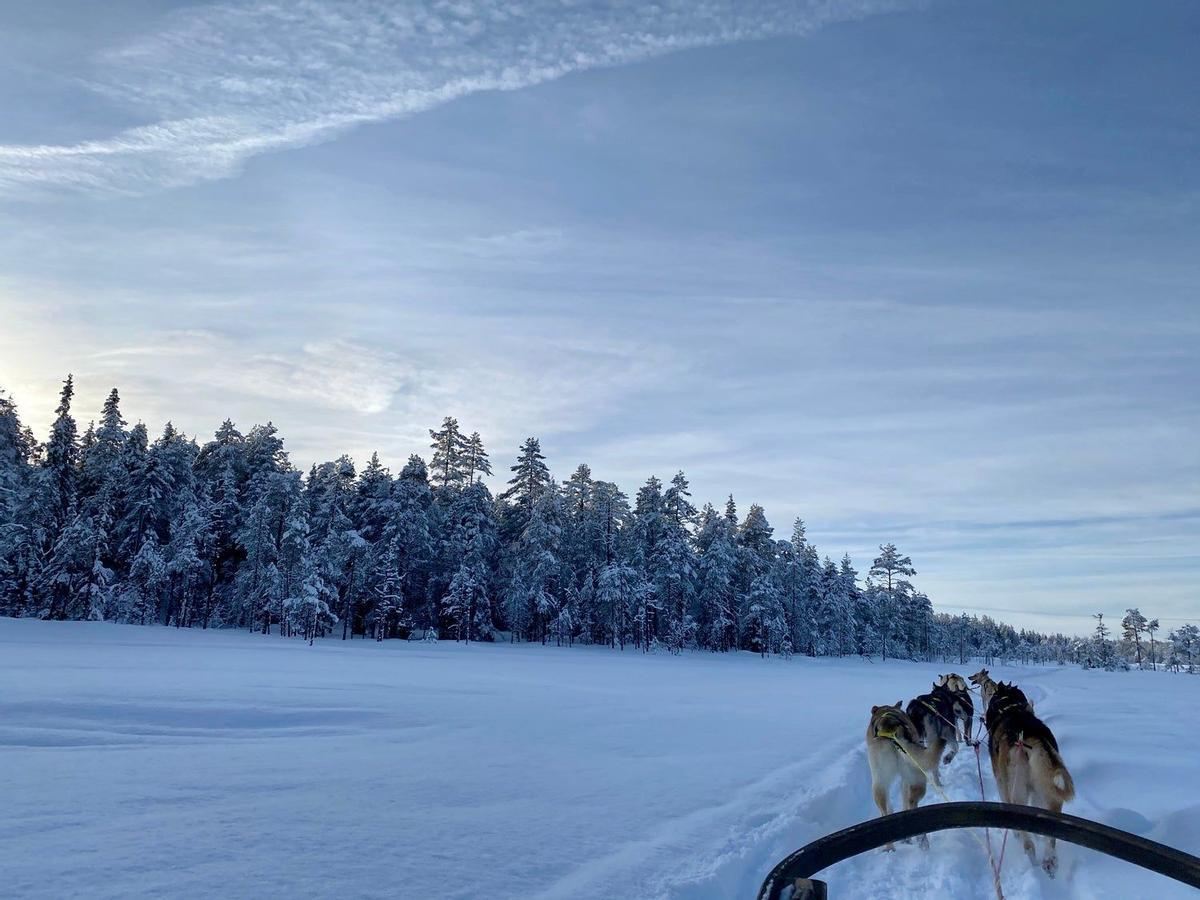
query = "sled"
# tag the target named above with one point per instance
(796, 870)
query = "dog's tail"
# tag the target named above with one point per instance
(1049, 770)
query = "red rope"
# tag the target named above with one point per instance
(987, 832)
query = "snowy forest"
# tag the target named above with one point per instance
(111, 525)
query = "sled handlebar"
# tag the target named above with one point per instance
(856, 839)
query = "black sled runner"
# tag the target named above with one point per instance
(796, 870)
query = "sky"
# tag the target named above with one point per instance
(922, 272)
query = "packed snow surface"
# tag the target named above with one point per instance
(162, 762)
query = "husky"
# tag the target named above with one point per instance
(987, 687)
(935, 715)
(1026, 762)
(964, 707)
(890, 730)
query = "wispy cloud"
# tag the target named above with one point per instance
(221, 84)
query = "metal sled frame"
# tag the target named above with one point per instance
(833, 848)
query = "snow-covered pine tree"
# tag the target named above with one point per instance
(892, 594)
(476, 458)
(1133, 626)
(449, 464)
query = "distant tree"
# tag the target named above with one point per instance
(450, 455)
(892, 594)
(530, 480)
(476, 458)
(1132, 627)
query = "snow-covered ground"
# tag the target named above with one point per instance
(155, 762)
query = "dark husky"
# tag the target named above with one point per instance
(934, 715)
(964, 707)
(1026, 762)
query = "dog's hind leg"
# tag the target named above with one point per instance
(913, 793)
(1020, 791)
(1050, 863)
(880, 792)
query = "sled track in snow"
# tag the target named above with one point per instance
(955, 864)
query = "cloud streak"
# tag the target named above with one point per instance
(222, 84)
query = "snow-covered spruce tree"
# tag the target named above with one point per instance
(756, 556)
(1102, 653)
(18, 544)
(716, 589)
(308, 610)
(765, 626)
(76, 583)
(257, 586)
(1185, 643)
(100, 470)
(387, 583)
(372, 505)
(801, 587)
(646, 533)
(466, 608)
(835, 613)
(531, 479)
(61, 458)
(673, 566)
(189, 556)
(583, 551)
(537, 588)
(142, 592)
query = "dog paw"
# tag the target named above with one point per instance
(1050, 864)
(889, 848)
(923, 842)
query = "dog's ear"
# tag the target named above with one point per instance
(898, 702)
(875, 709)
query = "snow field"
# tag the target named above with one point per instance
(162, 762)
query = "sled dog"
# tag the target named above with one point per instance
(964, 707)
(1026, 762)
(987, 687)
(934, 715)
(890, 730)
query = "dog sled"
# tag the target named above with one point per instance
(796, 871)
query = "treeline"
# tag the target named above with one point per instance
(1137, 645)
(111, 525)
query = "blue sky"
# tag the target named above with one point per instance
(922, 272)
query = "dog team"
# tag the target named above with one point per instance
(911, 743)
